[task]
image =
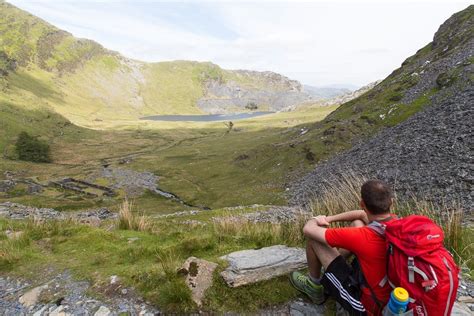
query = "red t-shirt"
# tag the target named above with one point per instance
(370, 250)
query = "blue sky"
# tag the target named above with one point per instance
(316, 42)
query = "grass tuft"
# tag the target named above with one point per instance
(128, 220)
(261, 234)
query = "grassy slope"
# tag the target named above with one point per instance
(93, 87)
(149, 264)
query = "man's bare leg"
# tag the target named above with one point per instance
(319, 255)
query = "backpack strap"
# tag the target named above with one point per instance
(427, 284)
(379, 226)
(362, 282)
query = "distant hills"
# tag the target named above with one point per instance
(325, 92)
(349, 95)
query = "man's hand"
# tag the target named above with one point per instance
(321, 220)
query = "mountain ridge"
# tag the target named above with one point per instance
(91, 83)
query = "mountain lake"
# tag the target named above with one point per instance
(205, 118)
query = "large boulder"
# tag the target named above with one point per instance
(250, 266)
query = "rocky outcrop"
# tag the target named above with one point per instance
(428, 154)
(250, 266)
(259, 90)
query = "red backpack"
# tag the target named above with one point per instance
(418, 262)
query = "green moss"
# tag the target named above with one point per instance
(401, 112)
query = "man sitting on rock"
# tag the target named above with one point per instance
(328, 248)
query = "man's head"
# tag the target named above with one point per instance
(376, 197)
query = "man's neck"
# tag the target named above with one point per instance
(378, 217)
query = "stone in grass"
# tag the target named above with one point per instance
(300, 308)
(198, 274)
(250, 266)
(30, 298)
(13, 235)
(103, 311)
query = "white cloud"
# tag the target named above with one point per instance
(315, 42)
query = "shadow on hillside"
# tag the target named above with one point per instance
(25, 81)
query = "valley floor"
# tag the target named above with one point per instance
(203, 164)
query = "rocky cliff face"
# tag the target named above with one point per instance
(251, 90)
(428, 155)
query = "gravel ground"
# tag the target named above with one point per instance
(63, 294)
(18, 211)
(274, 215)
(430, 155)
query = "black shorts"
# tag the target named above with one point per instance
(340, 281)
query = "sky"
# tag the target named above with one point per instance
(320, 43)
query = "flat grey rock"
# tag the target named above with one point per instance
(300, 308)
(250, 266)
(460, 310)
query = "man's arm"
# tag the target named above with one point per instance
(348, 217)
(315, 227)
(314, 231)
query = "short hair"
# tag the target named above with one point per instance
(377, 196)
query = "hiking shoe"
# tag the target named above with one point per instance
(304, 284)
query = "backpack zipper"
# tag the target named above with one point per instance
(451, 285)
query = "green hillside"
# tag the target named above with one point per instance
(88, 84)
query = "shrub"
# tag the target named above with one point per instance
(6, 64)
(444, 80)
(251, 106)
(30, 148)
(395, 96)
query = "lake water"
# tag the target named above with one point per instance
(205, 118)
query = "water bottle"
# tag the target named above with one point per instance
(398, 303)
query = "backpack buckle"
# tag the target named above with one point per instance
(411, 269)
